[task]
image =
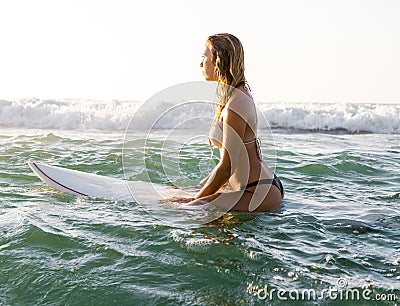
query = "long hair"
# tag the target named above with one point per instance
(228, 57)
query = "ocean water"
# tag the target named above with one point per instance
(335, 241)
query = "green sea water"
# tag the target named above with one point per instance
(335, 241)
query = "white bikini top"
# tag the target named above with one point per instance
(215, 134)
(215, 138)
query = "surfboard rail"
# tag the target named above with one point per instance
(86, 184)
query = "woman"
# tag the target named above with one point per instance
(254, 186)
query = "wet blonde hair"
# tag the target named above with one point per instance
(228, 58)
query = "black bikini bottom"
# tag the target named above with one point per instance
(275, 181)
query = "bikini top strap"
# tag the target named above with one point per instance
(251, 141)
(258, 144)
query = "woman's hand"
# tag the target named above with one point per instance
(189, 188)
(177, 200)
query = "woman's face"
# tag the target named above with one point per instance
(208, 65)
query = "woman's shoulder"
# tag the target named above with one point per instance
(240, 101)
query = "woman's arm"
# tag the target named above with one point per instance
(204, 180)
(232, 143)
(218, 177)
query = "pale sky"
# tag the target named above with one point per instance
(295, 50)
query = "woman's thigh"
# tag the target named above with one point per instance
(241, 200)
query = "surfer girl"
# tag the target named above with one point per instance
(253, 186)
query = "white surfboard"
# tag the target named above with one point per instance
(92, 185)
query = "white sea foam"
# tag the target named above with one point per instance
(352, 117)
(116, 115)
(66, 114)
